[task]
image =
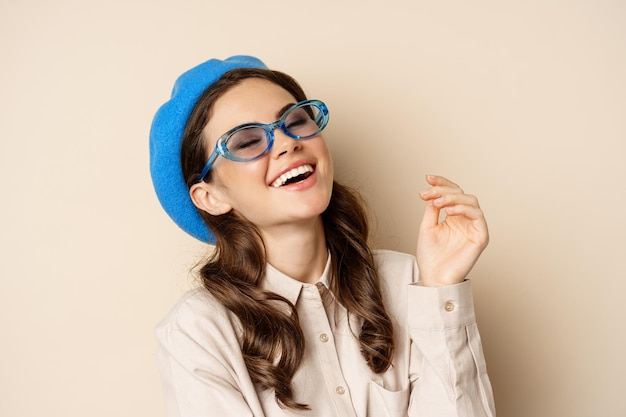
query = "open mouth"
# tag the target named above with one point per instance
(292, 176)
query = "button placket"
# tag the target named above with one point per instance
(327, 349)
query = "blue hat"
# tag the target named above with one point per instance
(166, 136)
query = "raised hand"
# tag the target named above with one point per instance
(447, 250)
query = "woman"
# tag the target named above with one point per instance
(296, 315)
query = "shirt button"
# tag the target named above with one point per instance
(448, 306)
(340, 390)
(324, 337)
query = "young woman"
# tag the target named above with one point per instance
(296, 314)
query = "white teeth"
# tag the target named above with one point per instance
(291, 173)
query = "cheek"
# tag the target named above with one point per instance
(325, 151)
(253, 172)
(235, 176)
(322, 145)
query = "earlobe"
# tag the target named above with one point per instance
(205, 198)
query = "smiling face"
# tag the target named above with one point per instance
(290, 185)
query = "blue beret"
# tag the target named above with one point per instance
(166, 136)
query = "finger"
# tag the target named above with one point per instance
(475, 219)
(436, 180)
(439, 187)
(448, 200)
(431, 215)
(439, 191)
(470, 212)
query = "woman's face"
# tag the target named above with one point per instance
(250, 188)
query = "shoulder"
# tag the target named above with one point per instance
(199, 315)
(197, 302)
(198, 345)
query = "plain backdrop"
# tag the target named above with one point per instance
(523, 103)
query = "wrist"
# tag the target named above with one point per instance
(428, 280)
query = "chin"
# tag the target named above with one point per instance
(311, 208)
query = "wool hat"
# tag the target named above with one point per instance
(166, 136)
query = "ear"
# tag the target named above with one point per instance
(207, 198)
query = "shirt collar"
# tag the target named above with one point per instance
(290, 288)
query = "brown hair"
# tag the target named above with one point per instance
(272, 342)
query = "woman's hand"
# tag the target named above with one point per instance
(447, 250)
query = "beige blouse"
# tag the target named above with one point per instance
(438, 369)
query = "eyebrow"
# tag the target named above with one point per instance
(284, 109)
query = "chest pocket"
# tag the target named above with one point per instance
(385, 403)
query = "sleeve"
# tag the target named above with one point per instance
(447, 366)
(202, 370)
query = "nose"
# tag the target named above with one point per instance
(284, 144)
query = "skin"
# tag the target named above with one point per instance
(288, 218)
(447, 251)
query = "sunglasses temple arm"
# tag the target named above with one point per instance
(208, 165)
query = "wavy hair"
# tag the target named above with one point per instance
(272, 341)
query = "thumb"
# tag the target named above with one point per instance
(431, 215)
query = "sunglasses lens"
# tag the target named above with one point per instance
(248, 142)
(304, 121)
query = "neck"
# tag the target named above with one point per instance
(298, 251)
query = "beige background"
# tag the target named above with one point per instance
(521, 102)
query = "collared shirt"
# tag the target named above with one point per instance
(438, 368)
